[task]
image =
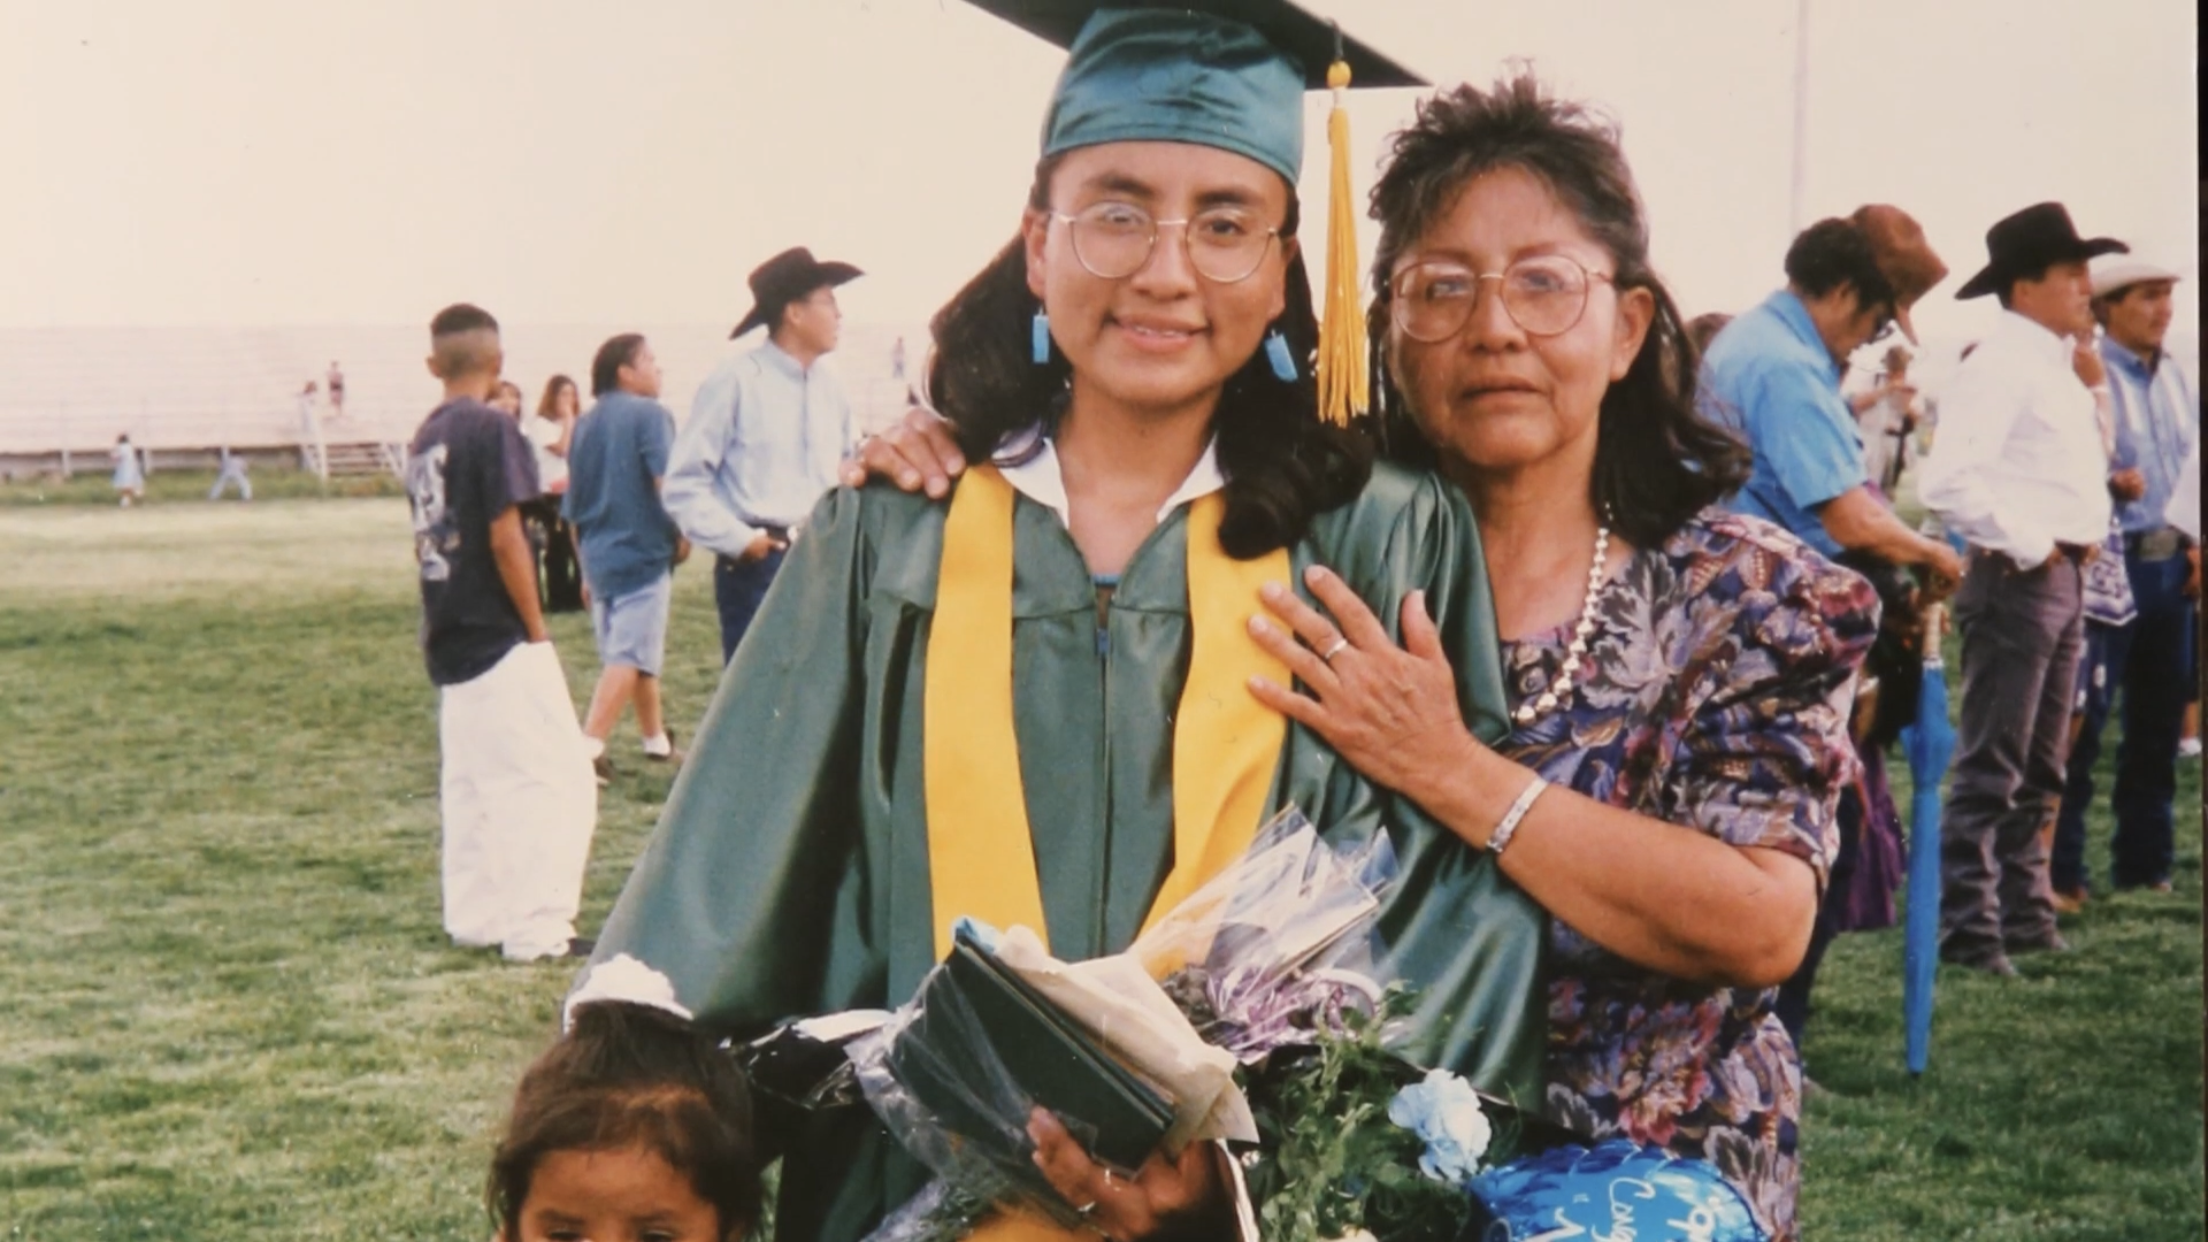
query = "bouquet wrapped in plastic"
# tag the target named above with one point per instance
(1134, 1053)
(1251, 1015)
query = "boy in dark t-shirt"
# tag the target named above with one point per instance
(516, 793)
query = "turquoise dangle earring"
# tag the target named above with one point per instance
(1039, 343)
(1276, 353)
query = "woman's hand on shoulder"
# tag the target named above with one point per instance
(1166, 1198)
(1390, 710)
(917, 453)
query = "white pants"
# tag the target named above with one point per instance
(519, 803)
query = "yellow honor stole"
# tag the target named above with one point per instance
(1226, 746)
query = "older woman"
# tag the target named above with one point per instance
(1680, 675)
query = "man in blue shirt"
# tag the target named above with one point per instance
(765, 436)
(628, 545)
(2155, 417)
(1773, 374)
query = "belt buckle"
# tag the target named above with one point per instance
(2159, 545)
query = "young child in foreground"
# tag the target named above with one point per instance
(632, 1128)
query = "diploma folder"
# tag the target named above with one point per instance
(986, 1044)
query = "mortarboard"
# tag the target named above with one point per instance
(1228, 74)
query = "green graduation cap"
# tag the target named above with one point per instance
(1228, 74)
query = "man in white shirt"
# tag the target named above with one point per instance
(2020, 470)
(765, 436)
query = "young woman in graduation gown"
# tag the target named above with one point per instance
(1028, 702)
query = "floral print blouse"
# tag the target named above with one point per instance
(1715, 696)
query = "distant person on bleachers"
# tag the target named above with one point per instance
(130, 473)
(232, 471)
(307, 395)
(337, 390)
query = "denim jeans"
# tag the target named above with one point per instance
(738, 589)
(2148, 665)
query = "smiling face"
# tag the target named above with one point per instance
(1164, 339)
(631, 1195)
(1495, 399)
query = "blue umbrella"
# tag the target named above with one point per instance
(1930, 743)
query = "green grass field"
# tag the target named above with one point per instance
(227, 1009)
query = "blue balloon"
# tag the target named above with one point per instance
(1615, 1190)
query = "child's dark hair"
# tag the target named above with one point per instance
(463, 339)
(458, 318)
(632, 1076)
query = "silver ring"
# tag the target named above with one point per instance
(1335, 648)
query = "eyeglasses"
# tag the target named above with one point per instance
(1544, 295)
(1114, 240)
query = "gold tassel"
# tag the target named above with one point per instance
(1341, 365)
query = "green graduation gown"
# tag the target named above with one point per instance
(788, 875)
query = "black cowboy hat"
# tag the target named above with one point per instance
(2030, 241)
(784, 279)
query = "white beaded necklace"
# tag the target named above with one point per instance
(1530, 711)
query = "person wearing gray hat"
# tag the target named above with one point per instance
(2020, 470)
(765, 435)
(2147, 660)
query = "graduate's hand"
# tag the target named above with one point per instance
(1164, 1199)
(917, 453)
(1390, 711)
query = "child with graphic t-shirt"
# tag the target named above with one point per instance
(517, 796)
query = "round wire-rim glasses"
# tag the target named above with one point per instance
(1545, 295)
(1115, 240)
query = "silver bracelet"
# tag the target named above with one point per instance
(1499, 839)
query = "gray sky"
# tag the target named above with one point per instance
(272, 162)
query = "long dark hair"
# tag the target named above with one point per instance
(1657, 461)
(548, 405)
(1284, 464)
(633, 1076)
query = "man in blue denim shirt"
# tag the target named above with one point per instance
(766, 433)
(2156, 420)
(626, 542)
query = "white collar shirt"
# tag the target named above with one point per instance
(1029, 462)
(2018, 464)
